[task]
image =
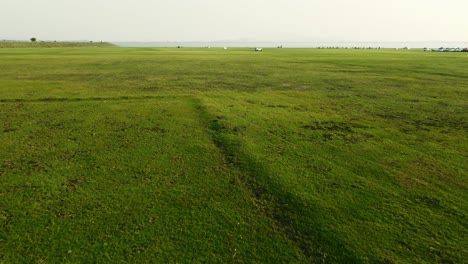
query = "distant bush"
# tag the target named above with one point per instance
(33, 39)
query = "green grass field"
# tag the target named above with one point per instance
(53, 44)
(146, 155)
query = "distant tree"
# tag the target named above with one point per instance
(33, 39)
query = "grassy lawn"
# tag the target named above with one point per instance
(210, 155)
(52, 44)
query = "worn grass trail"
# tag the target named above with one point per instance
(351, 185)
(193, 155)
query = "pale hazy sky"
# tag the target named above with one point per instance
(235, 20)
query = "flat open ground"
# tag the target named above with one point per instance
(207, 155)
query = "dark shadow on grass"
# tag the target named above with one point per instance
(300, 222)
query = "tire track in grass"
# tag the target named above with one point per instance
(293, 217)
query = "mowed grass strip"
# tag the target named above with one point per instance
(334, 156)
